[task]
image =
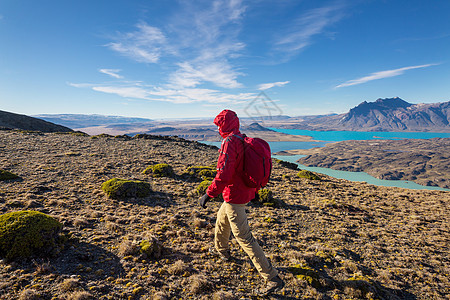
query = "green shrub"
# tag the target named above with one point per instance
(26, 233)
(308, 175)
(5, 175)
(203, 172)
(267, 199)
(203, 186)
(265, 195)
(121, 189)
(207, 174)
(160, 170)
(151, 248)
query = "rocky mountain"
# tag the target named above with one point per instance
(17, 121)
(390, 114)
(255, 127)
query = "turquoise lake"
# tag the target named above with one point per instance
(359, 176)
(336, 136)
(325, 137)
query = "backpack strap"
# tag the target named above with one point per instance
(243, 146)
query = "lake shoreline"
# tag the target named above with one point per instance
(421, 161)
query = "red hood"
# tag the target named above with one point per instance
(228, 122)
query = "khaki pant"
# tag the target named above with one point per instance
(232, 218)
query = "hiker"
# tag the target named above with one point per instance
(231, 216)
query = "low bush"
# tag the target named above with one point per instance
(160, 170)
(203, 172)
(27, 233)
(308, 175)
(152, 248)
(203, 186)
(266, 198)
(265, 195)
(121, 189)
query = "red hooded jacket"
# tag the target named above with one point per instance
(228, 180)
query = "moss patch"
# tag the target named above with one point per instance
(203, 186)
(160, 170)
(307, 274)
(265, 195)
(26, 233)
(308, 175)
(5, 175)
(151, 248)
(203, 172)
(266, 198)
(121, 189)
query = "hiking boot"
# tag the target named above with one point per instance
(225, 255)
(273, 285)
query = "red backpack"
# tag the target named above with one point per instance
(257, 162)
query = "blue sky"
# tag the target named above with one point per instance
(175, 59)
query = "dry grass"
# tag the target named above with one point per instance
(81, 295)
(222, 295)
(198, 284)
(69, 285)
(29, 294)
(128, 247)
(178, 268)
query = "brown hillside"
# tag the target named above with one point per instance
(23, 122)
(331, 239)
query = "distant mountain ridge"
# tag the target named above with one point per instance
(80, 120)
(390, 114)
(10, 120)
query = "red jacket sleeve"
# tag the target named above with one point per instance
(226, 166)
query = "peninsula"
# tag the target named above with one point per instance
(424, 161)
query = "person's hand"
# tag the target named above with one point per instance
(256, 197)
(202, 201)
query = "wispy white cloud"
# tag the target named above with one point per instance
(217, 72)
(80, 85)
(146, 44)
(266, 86)
(111, 72)
(199, 45)
(127, 92)
(137, 90)
(381, 75)
(200, 40)
(307, 25)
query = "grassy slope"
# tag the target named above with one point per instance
(351, 240)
